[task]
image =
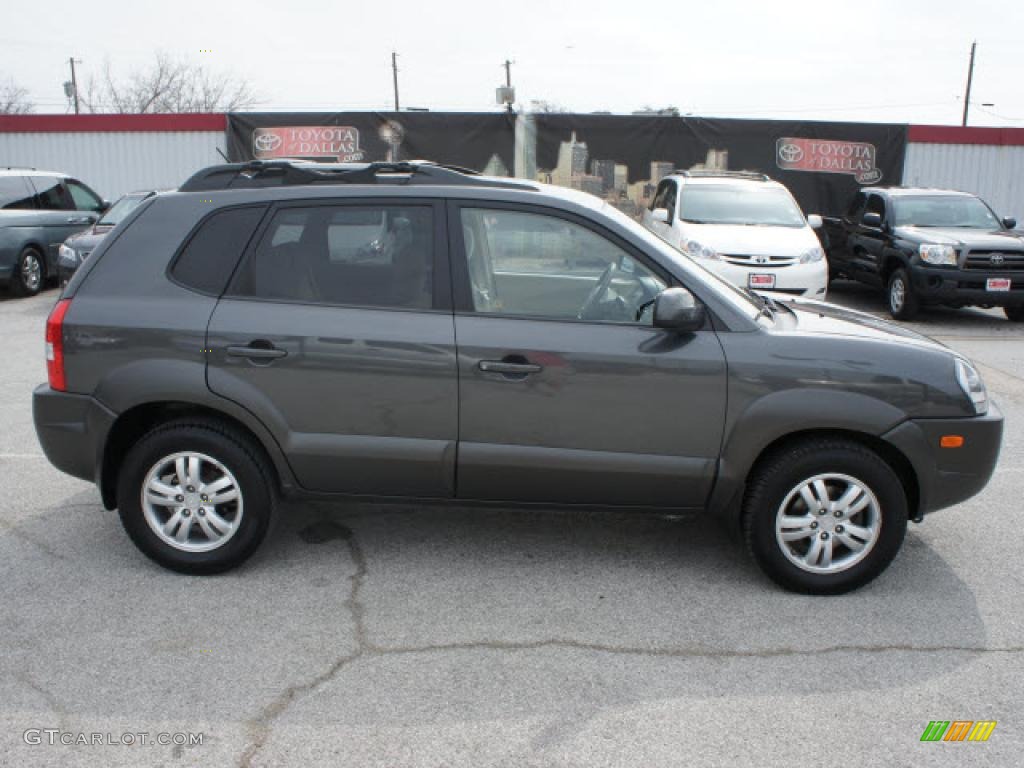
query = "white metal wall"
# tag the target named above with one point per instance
(994, 173)
(115, 163)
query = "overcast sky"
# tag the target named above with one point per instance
(898, 61)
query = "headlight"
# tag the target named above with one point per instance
(698, 251)
(939, 255)
(67, 255)
(815, 254)
(972, 385)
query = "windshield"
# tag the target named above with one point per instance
(120, 209)
(741, 301)
(943, 211)
(742, 204)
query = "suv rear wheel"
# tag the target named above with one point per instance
(903, 303)
(194, 497)
(825, 516)
(30, 272)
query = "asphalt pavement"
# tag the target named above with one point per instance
(402, 637)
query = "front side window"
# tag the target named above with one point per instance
(52, 194)
(372, 256)
(84, 198)
(534, 265)
(876, 204)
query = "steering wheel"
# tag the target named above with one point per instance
(597, 293)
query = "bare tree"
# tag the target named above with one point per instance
(543, 105)
(14, 99)
(168, 85)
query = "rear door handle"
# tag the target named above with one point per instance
(501, 366)
(264, 351)
(79, 220)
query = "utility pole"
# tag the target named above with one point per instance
(394, 72)
(508, 81)
(970, 76)
(74, 81)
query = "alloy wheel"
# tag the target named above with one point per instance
(192, 502)
(828, 523)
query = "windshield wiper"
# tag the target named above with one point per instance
(765, 306)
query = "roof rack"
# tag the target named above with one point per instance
(753, 175)
(19, 168)
(273, 173)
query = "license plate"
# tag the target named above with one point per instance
(761, 281)
(997, 284)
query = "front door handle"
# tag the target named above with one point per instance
(509, 368)
(257, 350)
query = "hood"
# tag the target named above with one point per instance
(981, 239)
(88, 239)
(752, 240)
(819, 317)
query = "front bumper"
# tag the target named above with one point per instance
(72, 430)
(948, 476)
(940, 285)
(807, 280)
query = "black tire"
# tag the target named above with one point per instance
(22, 283)
(1015, 314)
(780, 474)
(909, 305)
(234, 452)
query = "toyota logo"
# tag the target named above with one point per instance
(266, 142)
(997, 258)
(790, 153)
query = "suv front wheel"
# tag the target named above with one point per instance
(194, 497)
(825, 516)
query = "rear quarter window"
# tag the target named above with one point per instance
(212, 250)
(15, 193)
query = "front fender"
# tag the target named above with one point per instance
(779, 414)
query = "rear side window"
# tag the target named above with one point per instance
(209, 257)
(52, 194)
(15, 193)
(352, 255)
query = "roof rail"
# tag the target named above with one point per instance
(753, 175)
(19, 168)
(272, 173)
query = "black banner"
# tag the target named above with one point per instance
(482, 141)
(622, 158)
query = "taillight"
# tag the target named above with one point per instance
(55, 345)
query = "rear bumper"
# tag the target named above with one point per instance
(72, 430)
(948, 476)
(966, 286)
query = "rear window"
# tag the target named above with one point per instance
(15, 193)
(210, 256)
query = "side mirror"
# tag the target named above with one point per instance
(660, 214)
(676, 309)
(815, 222)
(1009, 222)
(872, 220)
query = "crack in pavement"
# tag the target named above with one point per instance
(50, 699)
(261, 727)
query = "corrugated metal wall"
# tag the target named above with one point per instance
(115, 163)
(994, 173)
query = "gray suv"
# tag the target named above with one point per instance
(38, 211)
(413, 331)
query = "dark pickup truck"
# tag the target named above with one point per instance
(928, 246)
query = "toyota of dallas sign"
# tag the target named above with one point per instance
(855, 158)
(335, 141)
